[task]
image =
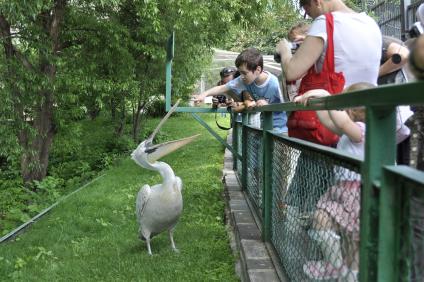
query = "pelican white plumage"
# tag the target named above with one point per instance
(159, 207)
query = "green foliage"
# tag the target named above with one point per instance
(156, 108)
(278, 17)
(73, 58)
(93, 234)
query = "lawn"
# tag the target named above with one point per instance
(92, 235)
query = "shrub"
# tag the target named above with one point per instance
(156, 108)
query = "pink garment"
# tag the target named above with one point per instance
(342, 203)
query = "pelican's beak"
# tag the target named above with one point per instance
(147, 153)
(156, 152)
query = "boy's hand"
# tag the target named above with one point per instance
(249, 104)
(198, 99)
(261, 102)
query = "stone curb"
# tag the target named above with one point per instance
(255, 263)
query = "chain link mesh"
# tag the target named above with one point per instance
(416, 224)
(239, 127)
(315, 214)
(389, 16)
(254, 168)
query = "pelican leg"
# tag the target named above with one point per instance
(171, 237)
(146, 236)
(149, 250)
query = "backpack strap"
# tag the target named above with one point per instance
(329, 55)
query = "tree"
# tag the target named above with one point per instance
(21, 29)
(62, 58)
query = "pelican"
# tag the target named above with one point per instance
(159, 207)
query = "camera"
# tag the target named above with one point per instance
(293, 47)
(221, 99)
(416, 30)
(218, 100)
(418, 27)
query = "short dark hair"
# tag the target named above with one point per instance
(227, 71)
(304, 2)
(251, 57)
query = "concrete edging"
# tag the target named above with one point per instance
(255, 263)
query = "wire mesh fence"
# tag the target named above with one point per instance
(395, 17)
(315, 214)
(238, 127)
(412, 251)
(254, 168)
(389, 16)
(315, 209)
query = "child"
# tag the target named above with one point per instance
(296, 34)
(261, 85)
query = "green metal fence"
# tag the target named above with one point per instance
(328, 215)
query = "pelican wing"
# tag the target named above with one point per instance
(143, 197)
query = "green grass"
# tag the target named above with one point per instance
(92, 236)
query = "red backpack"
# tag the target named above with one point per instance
(305, 124)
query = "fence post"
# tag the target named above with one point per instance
(267, 176)
(394, 230)
(380, 150)
(235, 139)
(244, 151)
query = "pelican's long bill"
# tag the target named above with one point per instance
(165, 118)
(147, 153)
(156, 152)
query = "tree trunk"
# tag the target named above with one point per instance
(35, 134)
(137, 120)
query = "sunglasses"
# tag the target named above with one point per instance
(227, 71)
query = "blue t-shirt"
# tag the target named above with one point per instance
(270, 91)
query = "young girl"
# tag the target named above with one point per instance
(338, 209)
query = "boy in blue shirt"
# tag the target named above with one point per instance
(261, 85)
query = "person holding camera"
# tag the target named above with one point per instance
(296, 36)
(262, 86)
(226, 74)
(394, 56)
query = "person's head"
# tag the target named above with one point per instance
(250, 64)
(227, 74)
(312, 8)
(298, 32)
(358, 114)
(316, 8)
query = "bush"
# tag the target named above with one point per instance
(156, 108)
(120, 145)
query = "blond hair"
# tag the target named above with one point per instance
(358, 114)
(298, 29)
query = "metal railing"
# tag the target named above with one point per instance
(291, 184)
(395, 17)
(286, 180)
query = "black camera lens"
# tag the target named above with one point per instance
(221, 99)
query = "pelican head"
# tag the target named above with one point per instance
(148, 153)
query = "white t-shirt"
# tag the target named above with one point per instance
(354, 148)
(357, 45)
